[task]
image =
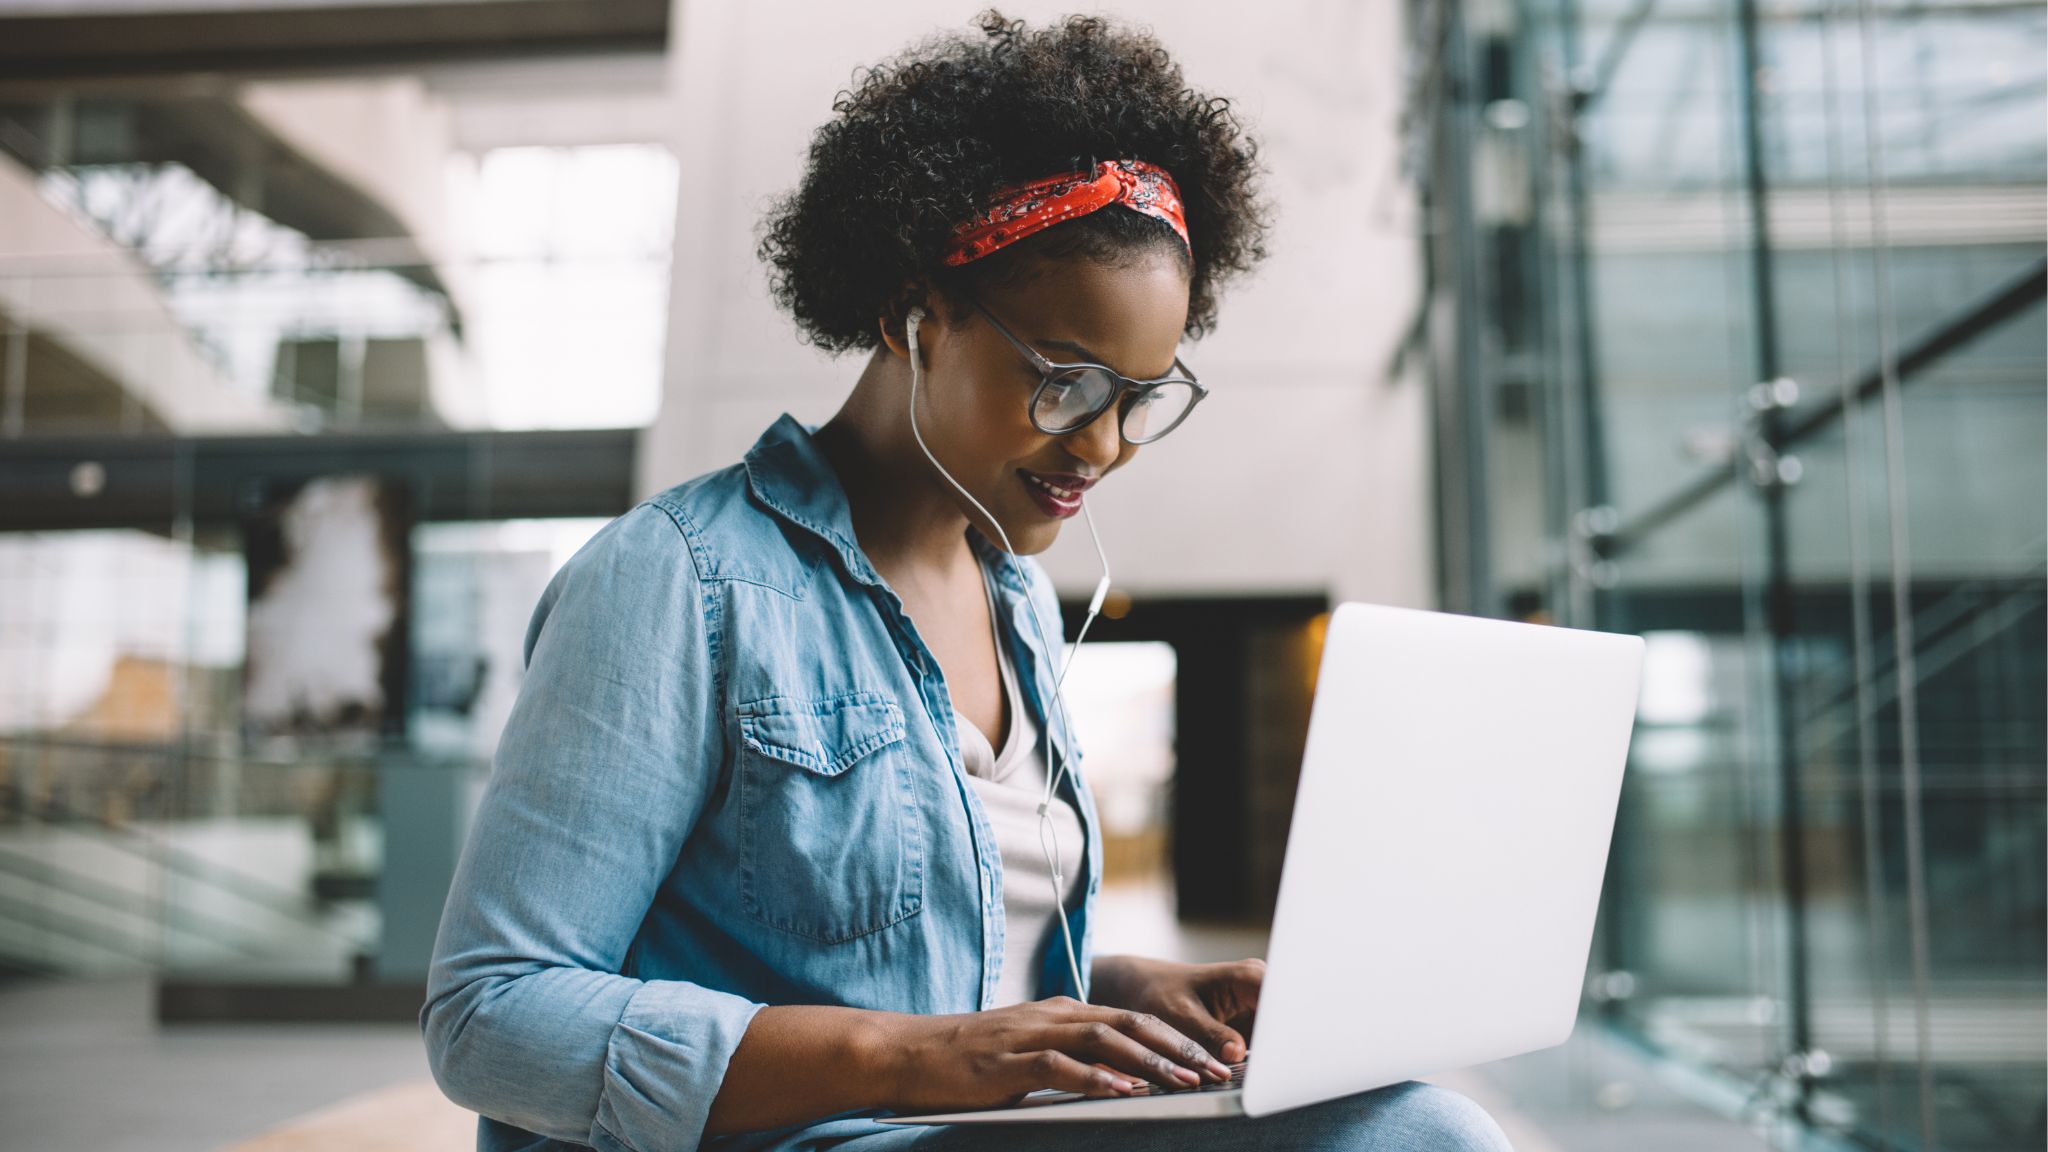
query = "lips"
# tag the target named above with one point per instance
(1065, 485)
(1057, 493)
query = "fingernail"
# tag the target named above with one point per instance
(1222, 1072)
(1187, 1074)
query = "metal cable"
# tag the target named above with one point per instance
(1861, 636)
(1902, 582)
(1756, 860)
(1048, 836)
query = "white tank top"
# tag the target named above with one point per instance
(1010, 782)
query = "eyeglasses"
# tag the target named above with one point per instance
(1071, 396)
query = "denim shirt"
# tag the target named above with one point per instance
(730, 780)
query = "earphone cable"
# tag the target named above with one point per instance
(1048, 836)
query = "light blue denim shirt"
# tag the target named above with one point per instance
(730, 780)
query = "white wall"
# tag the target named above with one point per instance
(1305, 470)
(388, 136)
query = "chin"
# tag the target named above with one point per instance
(1032, 536)
(1033, 541)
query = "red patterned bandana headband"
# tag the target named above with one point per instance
(1022, 210)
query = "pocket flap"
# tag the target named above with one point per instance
(825, 736)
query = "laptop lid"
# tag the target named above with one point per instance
(1444, 863)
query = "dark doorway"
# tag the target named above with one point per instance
(1244, 679)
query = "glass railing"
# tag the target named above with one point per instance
(152, 820)
(1746, 355)
(207, 868)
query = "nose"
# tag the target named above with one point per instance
(1098, 442)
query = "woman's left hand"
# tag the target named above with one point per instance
(1212, 1003)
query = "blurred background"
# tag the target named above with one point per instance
(329, 330)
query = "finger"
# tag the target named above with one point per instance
(1168, 1041)
(1102, 1042)
(1250, 970)
(1240, 981)
(1220, 1038)
(1165, 1037)
(1250, 973)
(1202, 1016)
(1231, 993)
(1050, 1068)
(1162, 1054)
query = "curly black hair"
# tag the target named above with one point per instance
(922, 141)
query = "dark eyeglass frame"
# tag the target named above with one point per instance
(1049, 370)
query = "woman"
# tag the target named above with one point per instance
(761, 857)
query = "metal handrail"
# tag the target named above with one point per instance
(277, 901)
(71, 928)
(1961, 605)
(1943, 651)
(102, 894)
(1988, 313)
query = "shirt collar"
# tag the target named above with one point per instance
(789, 473)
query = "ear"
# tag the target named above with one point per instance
(893, 338)
(891, 321)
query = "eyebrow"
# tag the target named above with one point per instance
(1077, 349)
(1083, 352)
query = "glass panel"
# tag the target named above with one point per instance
(1698, 920)
(218, 738)
(1923, 907)
(1667, 224)
(1829, 865)
(145, 825)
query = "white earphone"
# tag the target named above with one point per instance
(1048, 839)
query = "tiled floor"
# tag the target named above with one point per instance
(83, 1068)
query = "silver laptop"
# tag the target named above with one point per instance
(1450, 832)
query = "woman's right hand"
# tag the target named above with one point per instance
(990, 1059)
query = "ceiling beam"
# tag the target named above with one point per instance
(155, 483)
(289, 38)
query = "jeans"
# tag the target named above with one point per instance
(1411, 1117)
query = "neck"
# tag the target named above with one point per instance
(906, 517)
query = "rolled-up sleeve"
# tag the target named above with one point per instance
(602, 771)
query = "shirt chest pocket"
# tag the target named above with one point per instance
(830, 842)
